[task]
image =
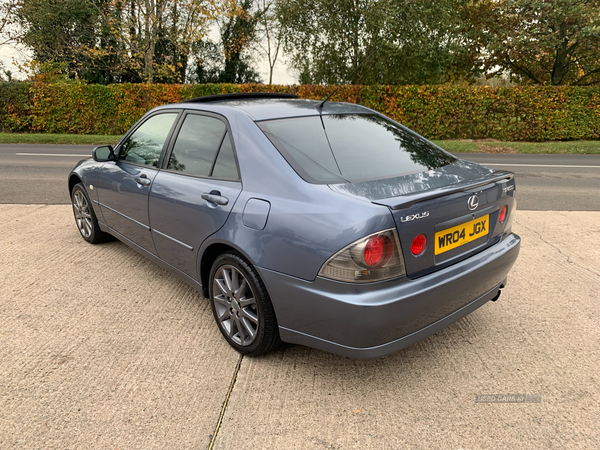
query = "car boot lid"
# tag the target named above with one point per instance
(405, 191)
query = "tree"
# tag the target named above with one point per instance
(237, 31)
(109, 41)
(553, 42)
(209, 62)
(58, 30)
(7, 20)
(269, 33)
(188, 23)
(327, 39)
(146, 17)
(147, 34)
(8, 33)
(229, 60)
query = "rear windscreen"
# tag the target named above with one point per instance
(351, 147)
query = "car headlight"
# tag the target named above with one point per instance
(373, 258)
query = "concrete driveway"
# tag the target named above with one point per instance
(100, 348)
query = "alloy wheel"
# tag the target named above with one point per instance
(83, 217)
(235, 305)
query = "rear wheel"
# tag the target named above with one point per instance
(242, 307)
(85, 218)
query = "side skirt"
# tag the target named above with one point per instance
(155, 259)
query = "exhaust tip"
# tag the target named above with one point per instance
(504, 283)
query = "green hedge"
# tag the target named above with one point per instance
(15, 106)
(528, 113)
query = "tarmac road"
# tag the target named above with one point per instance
(38, 174)
(549, 182)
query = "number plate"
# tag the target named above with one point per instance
(461, 234)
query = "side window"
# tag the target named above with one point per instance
(146, 143)
(225, 166)
(201, 140)
(197, 145)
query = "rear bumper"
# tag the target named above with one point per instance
(372, 320)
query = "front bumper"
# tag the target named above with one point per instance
(372, 320)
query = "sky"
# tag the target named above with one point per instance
(7, 54)
(281, 75)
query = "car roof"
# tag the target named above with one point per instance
(271, 107)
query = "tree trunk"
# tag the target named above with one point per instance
(150, 30)
(561, 64)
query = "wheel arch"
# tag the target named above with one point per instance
(209, 255)
(73, 180)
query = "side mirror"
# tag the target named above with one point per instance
(103, 153)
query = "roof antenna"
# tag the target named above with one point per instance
(320, 105)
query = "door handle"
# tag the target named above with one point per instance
(143, 180)
(215, 198)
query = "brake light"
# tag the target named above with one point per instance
(503, 212)
(373, 258)
(510, 217)
(418, 245)
(378, 251)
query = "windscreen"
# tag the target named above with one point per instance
(342, 148)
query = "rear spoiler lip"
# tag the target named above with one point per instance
(405, 201)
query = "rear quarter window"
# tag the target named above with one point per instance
(197, 145)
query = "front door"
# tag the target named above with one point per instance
(123, 186)
(193, 196)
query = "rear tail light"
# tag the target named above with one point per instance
(503, 212)
(378, 251)
(418, 245)
(511, 215)
(373, 258)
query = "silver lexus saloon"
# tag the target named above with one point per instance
(317, 223)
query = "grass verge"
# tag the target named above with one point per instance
(492, 146)
(47, 138)
(471, 146)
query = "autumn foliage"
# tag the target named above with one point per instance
(526, 113)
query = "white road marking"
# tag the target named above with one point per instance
(536, 165)
(50, 154)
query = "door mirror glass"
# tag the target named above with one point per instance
(103, 153)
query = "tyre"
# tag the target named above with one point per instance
(85, 218)
(241, 306)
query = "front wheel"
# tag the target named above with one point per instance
(86, 220)
(242, 307)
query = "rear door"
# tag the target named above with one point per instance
(123, 186)
(193, 195)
